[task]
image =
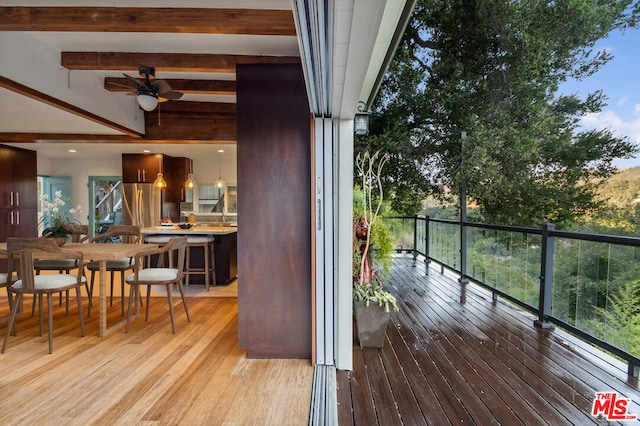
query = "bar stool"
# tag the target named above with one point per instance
(161, 240)
(206, 243)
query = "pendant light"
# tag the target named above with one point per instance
(160, 182)
(220, 183)
(190, 182)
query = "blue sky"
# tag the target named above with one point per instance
(620, 81)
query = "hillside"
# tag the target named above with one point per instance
(622, 189)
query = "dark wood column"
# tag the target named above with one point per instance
(274, 211)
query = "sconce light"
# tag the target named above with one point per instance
(160, 182)
(361, 120)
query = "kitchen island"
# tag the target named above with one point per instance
(225, 249)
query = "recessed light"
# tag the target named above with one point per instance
(221, 150)
(72, 150)
(146, 150)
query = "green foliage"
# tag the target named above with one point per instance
(381, 238)
(381, 248)
(492, 69)
(374, 293)
(620, 322)
(372, 240)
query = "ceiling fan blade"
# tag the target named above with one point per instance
(161, 86)
(135, 80)
(113, 83)
(171, 95)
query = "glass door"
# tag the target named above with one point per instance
(105, 196)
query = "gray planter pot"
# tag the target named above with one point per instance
(371, 322)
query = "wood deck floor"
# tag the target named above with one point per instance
(453, 356)
(149, 376)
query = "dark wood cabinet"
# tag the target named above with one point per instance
(176, 171)
(226, 257)
(18, 193)
(141, 168)
(144, 168)
(226, 253)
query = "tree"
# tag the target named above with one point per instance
(491, 68)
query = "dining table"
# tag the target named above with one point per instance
(101, 253)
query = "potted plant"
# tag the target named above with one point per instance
(55, 218)
(372, 245)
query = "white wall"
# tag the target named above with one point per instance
(80, 170)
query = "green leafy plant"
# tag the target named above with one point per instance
(372, 240)
(373, 292)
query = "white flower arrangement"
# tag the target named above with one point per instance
(54, 217)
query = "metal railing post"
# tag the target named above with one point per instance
(463, 215)
(463, 251)
(546, 277)
(415, 239)
(427, 259)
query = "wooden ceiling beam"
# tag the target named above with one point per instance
(202, 108)
(30, 138)
(185, 121)
(148, 19)
(174, 62)
(64, 106)
(200, 87)
(64, 137)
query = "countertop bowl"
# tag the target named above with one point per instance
(185, 225)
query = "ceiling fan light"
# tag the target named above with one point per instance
(147, 102)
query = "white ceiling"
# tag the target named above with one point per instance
(32, 59)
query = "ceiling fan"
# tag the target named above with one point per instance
(151, 91)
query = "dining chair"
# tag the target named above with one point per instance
(160, 276)
(127, 234)
(21, 255)
(79, 234)
(6, 280)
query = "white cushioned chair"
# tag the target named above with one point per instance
(127, 234)
(79, 234)
(21, 254)
(159, 276)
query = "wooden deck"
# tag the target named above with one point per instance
(453, 356)
(149, 376)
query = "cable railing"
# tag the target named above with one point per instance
(587, 284)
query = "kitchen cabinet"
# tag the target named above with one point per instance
(176, 171)
(141, 168)
(144, 168)
(212, 199)
(225, 248)
(18, 193)
(226, 253)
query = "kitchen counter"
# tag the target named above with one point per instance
(225, 249)
(196, 230)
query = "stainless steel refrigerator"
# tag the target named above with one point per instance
(142, 204)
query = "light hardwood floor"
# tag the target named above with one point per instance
(149, 376)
